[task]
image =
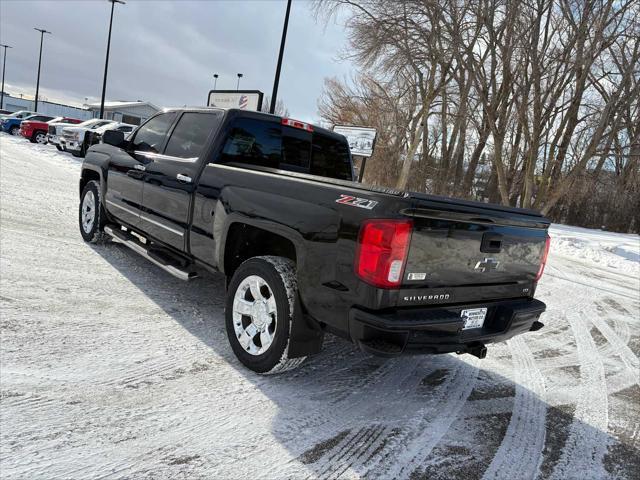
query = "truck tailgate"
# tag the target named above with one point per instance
(469, 244)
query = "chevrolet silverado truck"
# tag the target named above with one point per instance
(270, 203)
(74, 138)
(54, 129)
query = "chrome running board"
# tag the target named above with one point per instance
(128, 240)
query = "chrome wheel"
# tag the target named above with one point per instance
(254, 315)
(41, 138)
(88, 211)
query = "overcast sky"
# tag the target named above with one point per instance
(166, 52)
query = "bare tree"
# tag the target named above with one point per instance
(530, 103)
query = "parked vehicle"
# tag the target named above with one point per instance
(18, 114)
(73, 138)
(95, 136)
(11, 123)
(271, 204)
(55, 130)
(36, 130)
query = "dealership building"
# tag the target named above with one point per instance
(126, 112)
(132, 112)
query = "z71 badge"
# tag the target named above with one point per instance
(357, 202)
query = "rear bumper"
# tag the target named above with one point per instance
(439, 329)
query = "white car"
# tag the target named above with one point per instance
(72, 139)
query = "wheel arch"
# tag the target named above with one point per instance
(306, 335)
(88, 173)
(244, 238)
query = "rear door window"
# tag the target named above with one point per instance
(253, 142)
(269, 144)
(191, 134)
(151, 136)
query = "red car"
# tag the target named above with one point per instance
(36, 128)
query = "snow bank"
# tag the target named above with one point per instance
(616, 251)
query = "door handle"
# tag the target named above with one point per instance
(183, 178)
(142, 168)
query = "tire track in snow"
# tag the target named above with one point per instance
(353, 446)
(586, 446)
(618, 346)
(195, 435)
(520, 453)
(414, 444)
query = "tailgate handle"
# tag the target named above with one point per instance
(491, 242)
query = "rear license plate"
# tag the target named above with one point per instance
(473, 317)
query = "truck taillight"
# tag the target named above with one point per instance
(543, 261)
(382, 251)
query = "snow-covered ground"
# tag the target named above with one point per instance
(111, 368)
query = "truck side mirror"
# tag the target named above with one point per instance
(114, 137)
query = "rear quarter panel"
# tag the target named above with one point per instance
(305, 210)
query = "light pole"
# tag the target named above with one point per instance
(4, 62)
(274, 95)
(106, 61)
(42, 32)
(215, 80)
(238, 84)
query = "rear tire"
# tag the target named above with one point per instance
(262, 299)
(14, 131)
(59, 148)
(91, 215)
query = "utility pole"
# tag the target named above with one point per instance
(42, 32)
(4, 63)
(106, 61)
(215, 80)
(238, 84)
(274, 95)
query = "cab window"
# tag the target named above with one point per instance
(191, 134)
(150, 136)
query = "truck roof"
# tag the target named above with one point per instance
(236, 112)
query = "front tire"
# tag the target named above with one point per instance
(260, 307)
(91, 215)
(59, 148)
(39, 137)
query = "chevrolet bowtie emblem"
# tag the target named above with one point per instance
(487, 265)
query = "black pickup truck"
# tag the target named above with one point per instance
(271, 203)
